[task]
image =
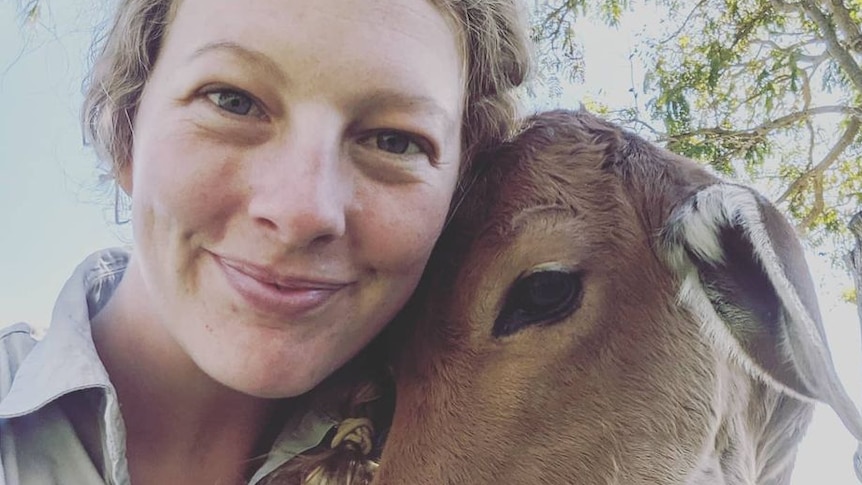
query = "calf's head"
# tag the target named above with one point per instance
(601, 311)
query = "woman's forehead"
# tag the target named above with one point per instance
(331, 19)
(388, 44)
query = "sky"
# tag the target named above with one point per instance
(54, 211)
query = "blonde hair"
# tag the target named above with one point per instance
(497, 59)
(496, 53)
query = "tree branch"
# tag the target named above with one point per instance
(783, 6)
(559, 17)
(683, 24)
(854, 259)
(849, 28)
(646, 125)
(848, 64)
(806, 89)
(817, 207)
(853, 112)
(834, 153)
(794, 50)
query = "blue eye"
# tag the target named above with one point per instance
(232, 101)
(397, 143)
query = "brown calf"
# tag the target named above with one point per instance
(601, 311)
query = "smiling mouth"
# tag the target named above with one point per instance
(286, 297)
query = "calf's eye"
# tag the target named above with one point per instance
(539, 298)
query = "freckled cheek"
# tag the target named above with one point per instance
(180, 180)
(402, 241)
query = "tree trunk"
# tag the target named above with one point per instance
(854, 259)
(854, 264)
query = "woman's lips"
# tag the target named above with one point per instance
(284, 296)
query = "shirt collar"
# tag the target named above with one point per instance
(66, 359)
(302, 433)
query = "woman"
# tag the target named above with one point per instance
(290, 165)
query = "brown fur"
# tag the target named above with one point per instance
(628, 389)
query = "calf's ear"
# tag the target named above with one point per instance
(743, 273)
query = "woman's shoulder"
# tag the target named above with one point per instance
(16, 341)
(16, 331)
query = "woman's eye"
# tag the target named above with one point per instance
(233, 102)
(397, 143)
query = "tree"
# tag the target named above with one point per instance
(853, 260)
(758, 89)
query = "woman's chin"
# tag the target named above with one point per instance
(269, 375)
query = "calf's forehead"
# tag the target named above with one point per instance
(560, 206)
(532, 197)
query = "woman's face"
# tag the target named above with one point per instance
(292, 167)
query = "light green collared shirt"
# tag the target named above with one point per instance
(60, 422)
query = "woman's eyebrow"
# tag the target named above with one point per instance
(415, 103)
(385, 98)
(247, 54)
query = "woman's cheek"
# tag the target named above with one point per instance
(184, 179)
(407, 228)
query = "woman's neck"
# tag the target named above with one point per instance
(181, 425)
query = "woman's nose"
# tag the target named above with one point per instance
(300, 196)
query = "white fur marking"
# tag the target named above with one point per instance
(723, 205)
